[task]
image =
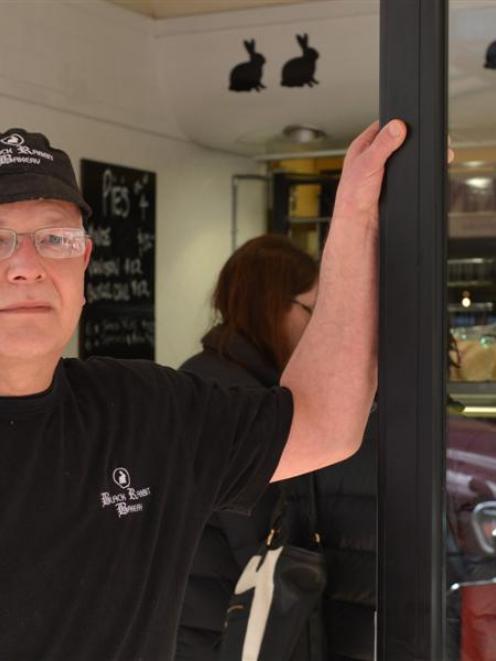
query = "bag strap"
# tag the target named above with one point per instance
(312, 512)
(278, 522)
(312, 509)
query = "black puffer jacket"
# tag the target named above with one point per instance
(346, 504)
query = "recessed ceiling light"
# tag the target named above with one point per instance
(304, 134)
(480, 182)
(466, 300)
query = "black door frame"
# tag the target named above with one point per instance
(413, 336)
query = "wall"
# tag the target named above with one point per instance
(85, 75)
(88, 58)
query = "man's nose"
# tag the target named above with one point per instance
(25, 265)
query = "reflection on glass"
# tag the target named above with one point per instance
(471, 416)
(471, 562)
(472, 266)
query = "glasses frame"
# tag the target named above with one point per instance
(306, 307)
(32, 235)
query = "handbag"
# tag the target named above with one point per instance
(275, 607)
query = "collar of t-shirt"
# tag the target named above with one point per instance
(37, 403)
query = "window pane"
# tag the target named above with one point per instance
(471, 273)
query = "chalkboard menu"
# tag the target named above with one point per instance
(119, 318)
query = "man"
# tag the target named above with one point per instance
(111, 468)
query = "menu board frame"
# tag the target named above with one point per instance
(118, 318)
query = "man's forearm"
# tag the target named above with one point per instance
(333, 371)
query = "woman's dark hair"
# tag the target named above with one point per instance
(255, 289)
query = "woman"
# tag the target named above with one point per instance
(264, 299)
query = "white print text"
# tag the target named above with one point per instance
(125, 502)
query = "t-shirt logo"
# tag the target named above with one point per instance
(128, 499)
(121, 477)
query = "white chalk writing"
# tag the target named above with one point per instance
(115, 196)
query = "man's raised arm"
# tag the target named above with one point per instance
(333, 371)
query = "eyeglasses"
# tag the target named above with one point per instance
(307, 308)
(51, 242)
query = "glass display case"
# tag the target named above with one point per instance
(471, 277)
(471, 418)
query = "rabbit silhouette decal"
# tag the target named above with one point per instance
(300, 71)
(491, 56)
(247, 76)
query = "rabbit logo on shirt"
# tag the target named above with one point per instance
(121, 477)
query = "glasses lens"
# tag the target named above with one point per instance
(60, 242)
(7, 243)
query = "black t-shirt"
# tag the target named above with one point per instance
(106, 482)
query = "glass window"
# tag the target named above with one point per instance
(471, 295)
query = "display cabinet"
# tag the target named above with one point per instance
(472, 277)
(302, 205)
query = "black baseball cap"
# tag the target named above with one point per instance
(31, 169)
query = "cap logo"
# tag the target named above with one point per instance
(16, 151)
(14, 139)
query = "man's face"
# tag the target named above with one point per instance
(40, 298)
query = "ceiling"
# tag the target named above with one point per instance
(160, 9)
(345, 32)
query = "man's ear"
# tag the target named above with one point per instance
(87, 253)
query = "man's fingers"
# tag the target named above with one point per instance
(387, 141)
(363, 141)
(451, 153)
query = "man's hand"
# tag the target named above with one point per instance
(363, 170)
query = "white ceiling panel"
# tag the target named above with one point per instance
(196, 57)
(160, 9)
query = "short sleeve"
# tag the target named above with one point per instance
(235, 435)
